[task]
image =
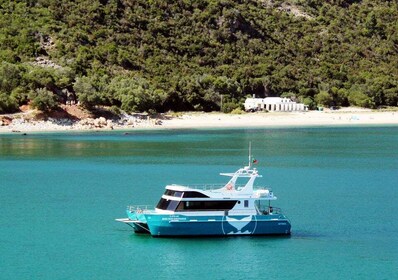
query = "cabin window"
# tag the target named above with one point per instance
(206, 205)
(246, 203)
(173, 193)
(166, 204)
(194, 195)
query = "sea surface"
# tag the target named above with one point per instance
(60, 195)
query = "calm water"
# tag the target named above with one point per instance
(60, 194)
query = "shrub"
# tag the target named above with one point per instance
(86, 92)
(237, 111)
(43, 99)
(309, 102)
(8, 104)
(136, 94)
(228, 107)
(115, 110)
(358, 98)
(323, 98)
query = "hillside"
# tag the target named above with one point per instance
(152, 55)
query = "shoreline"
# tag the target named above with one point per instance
(214, 120)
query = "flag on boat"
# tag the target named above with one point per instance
(255, 161)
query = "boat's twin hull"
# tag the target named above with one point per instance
(140, 227)
(180, 225)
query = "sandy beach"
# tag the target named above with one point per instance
(283, 119)
(192, 120)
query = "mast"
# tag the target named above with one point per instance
(250, 154)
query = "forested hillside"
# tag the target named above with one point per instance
(160, 55)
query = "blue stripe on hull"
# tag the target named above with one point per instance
(180, 225)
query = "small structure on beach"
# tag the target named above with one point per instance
(282, 104)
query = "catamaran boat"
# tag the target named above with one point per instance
(224, 210)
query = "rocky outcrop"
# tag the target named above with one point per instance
(91, 123)
(46, 62)
(26, 123)
(5, 121)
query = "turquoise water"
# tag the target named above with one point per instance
(60, 194)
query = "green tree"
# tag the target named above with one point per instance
(136, 94)
(10, 77)
(40, 77)
(43, 99)
(309, 101)
(357, 97)
(87, 92)
(191, 53)
(323, 98)
(8, 104)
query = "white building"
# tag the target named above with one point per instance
(273, 104)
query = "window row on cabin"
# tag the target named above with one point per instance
(213, 205)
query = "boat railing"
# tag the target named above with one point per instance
(139, 208)
(262, 189)
(269, 211)
(206, 187)
(219, 186)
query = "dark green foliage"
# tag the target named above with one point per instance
(309, 101)
(91, 90)
(357, 97)
(186, 55)
(10, 77)
(43, 99)
(135, 94)
(10, 87)
(228, 107)
(8, 104)
(323, 98)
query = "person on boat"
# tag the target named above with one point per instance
(229, 187)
